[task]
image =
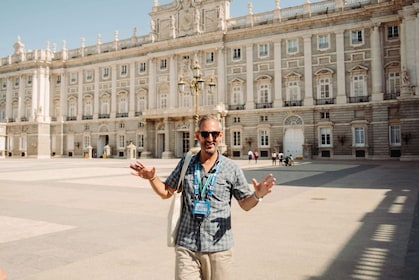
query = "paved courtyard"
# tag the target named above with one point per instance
(90, 219)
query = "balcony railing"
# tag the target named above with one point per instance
(87, 117)
(325, 101)
(122, 115)
(391, 96)
(104, 116)
(358, 99)
(236, 107)
(71, 118)
(293, 103)
(263, 105)
(137, 114)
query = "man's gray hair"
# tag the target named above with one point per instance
(206, 118)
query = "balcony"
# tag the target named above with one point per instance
(122, 115)
(263, 105)
(87, 117)
(358, 99)
(293, 103)
(391, 96)
(23, 119)
(325, 101)
(137, 114)
(236, 107)
(71, 118)
(104, 116)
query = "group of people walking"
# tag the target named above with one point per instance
(281, 159)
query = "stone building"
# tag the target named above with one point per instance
(333, 79)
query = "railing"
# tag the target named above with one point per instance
(391, 96)
(122, 115)
(71, 118)
(263, 105)
(87, 117)
(236, 107)
(325, 101)
(358, 99)
(104, 116)
(292, 103)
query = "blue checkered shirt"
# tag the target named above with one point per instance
(213, 234)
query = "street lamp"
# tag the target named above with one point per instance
(196, 85)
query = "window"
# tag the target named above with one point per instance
(324, 115)
(124, 70)
(323, 42)
(263, 118)
(358, 85)
(4, 84)
(236, 139)
(141, 103)
(325, 137)
(293, 91)
(72, 107)
(140, 141)
(264, 93)
(263, 138)
(236, 54)
(359, 136)
(17, 81)
(210, 57)
(357, 37)
(73, 78)
(236, 119)
(105, 72)
(324, 88)
(236, 97)
(292, 46)
(163, 100)
(29, 82)
(393, 83)
(88, 107)
(163, 64)
(89, 76)
(142, 67)
(263, 50)
(104, 105)
(86, 141)
(121, 141)
(395, 135)
(392, 32)
(122, 125)
(59, 79)
(122, 104)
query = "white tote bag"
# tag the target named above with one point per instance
(175, 210)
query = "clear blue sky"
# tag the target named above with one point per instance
(39, 21)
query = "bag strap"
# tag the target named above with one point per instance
(188, 158)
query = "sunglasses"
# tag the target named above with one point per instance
(206, 134)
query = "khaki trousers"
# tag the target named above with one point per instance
(205, 266)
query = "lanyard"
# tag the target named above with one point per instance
(201, 189)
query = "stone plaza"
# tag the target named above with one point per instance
(90, 219)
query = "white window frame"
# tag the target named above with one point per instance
(73, 78)
(122, 103)
(121, 141)
(163, 64)
(209, 57)
(323, 42)
(359, 85)
(89, 75)
(123, 70)
(357, 37)
(325, 137)
(292, 46)
(393, 82)
(106, 73)
(236, 54)
(394, 135)
(140, 141)
(393, 32)
(263, 50)
(142, 67)
(236, 138)
(359, 136)
(263, 138)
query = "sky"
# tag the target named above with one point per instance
(37, 22)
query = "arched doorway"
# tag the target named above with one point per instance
(293, 136)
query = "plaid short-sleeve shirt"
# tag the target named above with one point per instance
(213, 234)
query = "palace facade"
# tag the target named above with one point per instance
(333, 79)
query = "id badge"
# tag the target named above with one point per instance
(201, 208)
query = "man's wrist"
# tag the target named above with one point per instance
(256, 197)
(153, 178)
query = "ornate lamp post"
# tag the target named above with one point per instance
(196, 85)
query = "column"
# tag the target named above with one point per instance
(80, 95)
(167, 153)
(96, 105)
(131, 101)
(63, 95)
(377, 64)
(250, 102)
(278, 75)
(340, 68)
(152, 84)
(308, 71)
(173, 92)
(9, 98)
(21, 99)
(114, 74)
(220, 90)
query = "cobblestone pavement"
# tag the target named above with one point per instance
(89, 219)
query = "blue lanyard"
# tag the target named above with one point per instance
(199, 189)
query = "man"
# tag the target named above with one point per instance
(204, 241)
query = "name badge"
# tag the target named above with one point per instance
(201, 208)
